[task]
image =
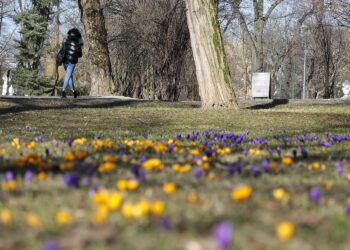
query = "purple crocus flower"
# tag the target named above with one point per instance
(206, 134)
(170, 148)
(326, 144)
(138, 172)
(9, 176)
(245, 152)
(266, 165)
(223, 234)
(38, 139)
(87, 181)
(347, 209)
(328, 134)
(165, 224)
(92, 191)
(339, 167)
(197, 172)
(279, 151)
(50, 245)
(315, 195)
(238, 167)
(230, 169)
(194, 137)
(303, 152)
(28, 176)
(256, 170)
(90, 171)
(270, 151)
(69, 142)
(135, 169)
(72, 180)
(143, 158)
(196, 159)
(209, 152)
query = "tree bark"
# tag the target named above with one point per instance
(288, 77)
(259, 24)
(56, 71)
(212, 71)
(1, 14)
(97, 47)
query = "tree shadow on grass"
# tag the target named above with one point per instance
(19, 105)
(274, 103)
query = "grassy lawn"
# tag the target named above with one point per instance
(102, 174)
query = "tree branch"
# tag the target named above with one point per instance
(243, 24)
(272, 8)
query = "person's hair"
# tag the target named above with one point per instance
(74, 34)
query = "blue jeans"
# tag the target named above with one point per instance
(69, 68)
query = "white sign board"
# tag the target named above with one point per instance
(261, 85)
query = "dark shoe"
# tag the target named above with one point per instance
(64, 95)
(75, 94)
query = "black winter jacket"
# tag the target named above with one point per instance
(72, 51)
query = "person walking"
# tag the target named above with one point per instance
(72, 51)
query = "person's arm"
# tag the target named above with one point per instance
(80, 52)
(63, 48)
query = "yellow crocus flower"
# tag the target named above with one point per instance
(33, 221)
(63, 218)
(169, 188)
(5, 216)
(157, 208)
(279, 194)
(285, 230)
(241, 193)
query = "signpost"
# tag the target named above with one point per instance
(261, 85)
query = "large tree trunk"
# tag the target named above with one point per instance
(57, 47)
(288, 78)
(1, 14)
(97, 47)
(259, 23)
(212, 71)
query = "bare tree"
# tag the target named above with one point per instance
(1, 14)
(340, 10)
(328, 49)
(255, 37)
(97, 47)
(58, 24)
(150, 43)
